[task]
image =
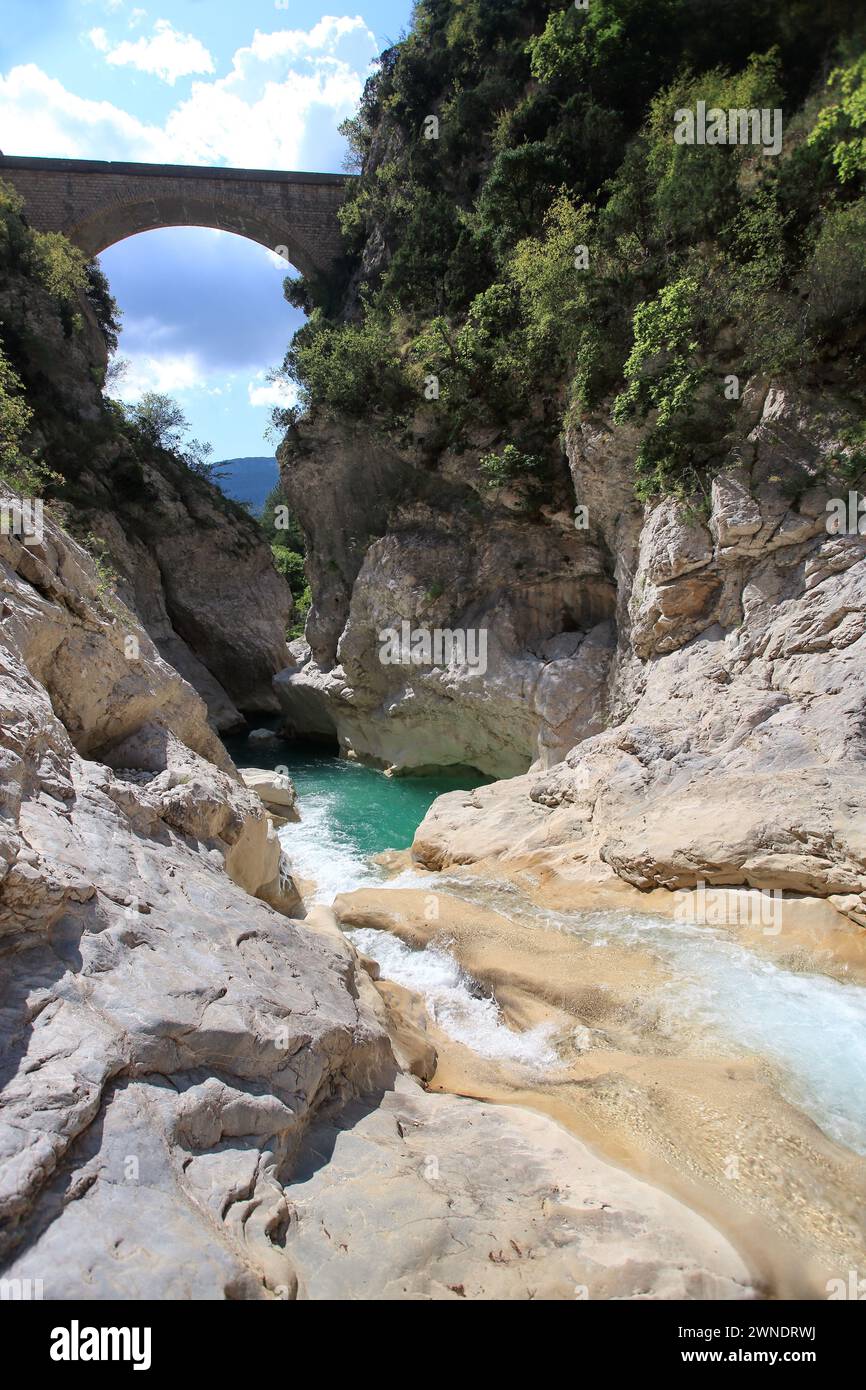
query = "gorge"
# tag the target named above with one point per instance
(328, 976)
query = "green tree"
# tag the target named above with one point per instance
(160, 420)
(350, 368)
(835, 278)
(160, 423)
(288, 536)
(15, 420)
(104, 304)
(841, 126)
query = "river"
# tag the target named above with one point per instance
(809, 1027)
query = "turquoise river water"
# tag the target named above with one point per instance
(810, 1027)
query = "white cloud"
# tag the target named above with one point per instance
(281, 85)
(39, 116)
(167, 54)
(278, 107)
(271, 393)
(167, 375)
(323, 38)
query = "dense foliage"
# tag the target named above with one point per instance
(288, 548)
(48, 291)
(554, 248)
(30, 262)
(15, 417)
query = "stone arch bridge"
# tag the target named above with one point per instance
(97, 203)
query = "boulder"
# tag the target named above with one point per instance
(262, 737)
(274, 789)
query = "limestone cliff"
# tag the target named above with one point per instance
(592, 399)
(686, 680)
(389, 541)
(192, 565)
(177, 1055)
(734, 749)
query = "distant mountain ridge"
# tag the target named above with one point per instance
(247, 479)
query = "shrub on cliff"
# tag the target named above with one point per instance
(552, 245)
(841, 125)
(51, 260)
(835, 277)
(15, 417)
(42, 275)
(350, 368)
(160, 423)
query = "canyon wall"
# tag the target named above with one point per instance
(191, 563)
(390, 540)
(733, 751)
(685, 681)
(588, 391)
(200, 1096)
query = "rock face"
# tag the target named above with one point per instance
(700, 674)
(176, 1053)
(505, 1205)
(92, 686)
(390, 543)
(735, 751)
(199, 574)
(625, 1063)
(192, 565)
(275, 790)
(686, 685)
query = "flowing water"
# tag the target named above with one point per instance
(348, 812)
(456, 1003)
(811, 1027)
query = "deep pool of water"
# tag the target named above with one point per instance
(348, 812)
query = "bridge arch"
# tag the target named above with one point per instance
(123, 220)
(97, 203)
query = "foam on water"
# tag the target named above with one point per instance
(455, 1002)
(317, 850)
(811, 1027)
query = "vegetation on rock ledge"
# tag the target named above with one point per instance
(465, 260)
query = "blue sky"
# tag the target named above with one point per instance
(248, 83)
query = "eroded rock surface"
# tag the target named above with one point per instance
(735, 752)
(275, 790)
(494, 1203)
(621, 1056)
(199, 1097)
(389, 544)
(199, 574)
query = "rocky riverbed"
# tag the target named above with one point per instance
(201, 1096)
(675, 1051)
